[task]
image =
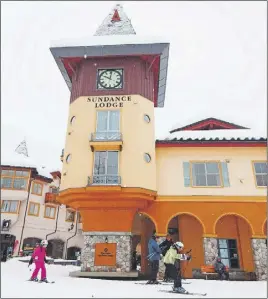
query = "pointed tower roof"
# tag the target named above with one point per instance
(116, 23)
(22, 148)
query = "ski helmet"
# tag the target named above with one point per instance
(44, 243)
(179, 245)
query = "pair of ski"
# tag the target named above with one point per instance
(161, 283)
(40, 281)
(187, 293)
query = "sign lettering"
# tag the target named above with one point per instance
(105, 254)
(107, 102)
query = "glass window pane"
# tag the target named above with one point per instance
(213, 180)
(257, 167)
(5, 206)
(199, 168)
(13, 206)
(232, 243)
(222, 243)
(19, 184)
(114, 121)
(6, 182)
(100, 163)
(226, 262)
(102, 119)
(199, 180)
(233, 253)
(112, 163)
(224, 253)
(212, 167)
(261, 180)
(52, 212)
(234, 263)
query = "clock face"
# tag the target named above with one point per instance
(110, 79)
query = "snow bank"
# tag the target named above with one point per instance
(15, 273)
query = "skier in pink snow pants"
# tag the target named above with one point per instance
(39, 258)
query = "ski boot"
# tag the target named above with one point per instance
(33, 279)
(44, 280)
(156, 282)
(180, 290)
(150, 282)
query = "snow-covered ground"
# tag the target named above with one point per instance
(14, 285)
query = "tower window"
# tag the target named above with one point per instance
(72, 121)
(147, 158)
(108, 123)
(68, 158)
(106, 168)
(146, 118)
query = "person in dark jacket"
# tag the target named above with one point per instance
(220, 268)
(164, 246)
(154, 258)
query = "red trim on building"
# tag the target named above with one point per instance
(212, 144)
(208, 124)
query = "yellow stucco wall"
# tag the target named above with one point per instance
(138, 138)
(169, 165)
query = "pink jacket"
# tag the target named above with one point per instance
(39, 255)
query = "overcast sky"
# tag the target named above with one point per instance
(217, 64)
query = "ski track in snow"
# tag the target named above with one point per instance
(15, 273)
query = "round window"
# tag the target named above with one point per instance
(68, 158)
(147, 158)
(72, 120)
(147, 118)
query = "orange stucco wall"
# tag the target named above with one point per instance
(109, 220)
(231, 227)
(191, 234)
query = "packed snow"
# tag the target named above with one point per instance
(14, 284)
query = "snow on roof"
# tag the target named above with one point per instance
(11, 137)
(118, 27)
(223, 134)
(107, 40)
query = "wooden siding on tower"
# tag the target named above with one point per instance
(137, 79)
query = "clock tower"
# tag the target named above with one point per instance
(116, 79)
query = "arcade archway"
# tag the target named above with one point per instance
(234, 234)
(143, 228)
(55, 248)
(29, 245)
(189, 230)
(72, 252)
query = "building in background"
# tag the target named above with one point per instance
(30, 211)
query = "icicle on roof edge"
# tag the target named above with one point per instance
(116, 23)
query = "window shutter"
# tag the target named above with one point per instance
(186, 174)
(225, 174)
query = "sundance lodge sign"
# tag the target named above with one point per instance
(107, 102)
(105, 254)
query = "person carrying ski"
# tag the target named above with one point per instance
(154, 258)
(173, 255)
(221, 269)
(164, 246)
(39, 258)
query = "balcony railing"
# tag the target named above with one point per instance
(106, 136)
(104, 180)
(51, 198)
